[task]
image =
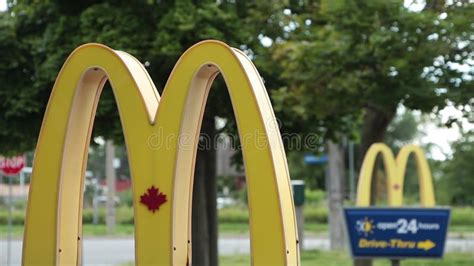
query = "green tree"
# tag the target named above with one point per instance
(457, 183)
(341, 62)
(402, 130)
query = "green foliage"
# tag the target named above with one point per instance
(126, 197)
(316, 215)
(330, 60)
(37, 36)
(231, 219)
(402, 131)
(124, 215)
(319, 215)
(315, 197)
(235, 192)
(313, 175)
(18, 217)
(338, 58)
(233, 215)
(456, 186)
(88, 216)
(242, 196)
(462, 216)
(312, 214)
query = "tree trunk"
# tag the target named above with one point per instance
(335, 196)
(204, 212)
(211, 197)
(200, 233)
(374, 128)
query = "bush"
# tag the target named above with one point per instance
(18, 217)
(314, 197)
(238, 215)
(315, 215)
(233, 215)
(88, 216)
(462, 216)
(126, 197)
(123, 215)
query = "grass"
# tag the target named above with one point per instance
(88, 230)
(243, 228)
(224, 228)
(231, 221)
(314, 214)
(315, 258)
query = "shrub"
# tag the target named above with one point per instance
(462, 216)
(126, 197)
(233, 215)
(240, 215)
(124, 215)
(314, 197)
(315, 215)
(18, 217)
(88, 216)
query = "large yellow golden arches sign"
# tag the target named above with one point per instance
(395, 171)
(161, 138)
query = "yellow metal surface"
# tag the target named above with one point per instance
(395, 173)
(161, 143)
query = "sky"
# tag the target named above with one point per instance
(440, 136)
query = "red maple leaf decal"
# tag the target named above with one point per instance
(153, 199)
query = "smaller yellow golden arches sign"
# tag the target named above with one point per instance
(395, 169)
(162, 171)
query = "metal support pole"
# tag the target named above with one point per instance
(95, 202)
(351, 172)
(110, 176)
(10, 214)
(395, 262)
(300, 224)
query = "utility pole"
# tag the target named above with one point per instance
(335, 196)
(395, 262)
(351, 172)
(110, 177)
(10, 214)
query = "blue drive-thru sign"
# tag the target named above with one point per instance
(397, 232)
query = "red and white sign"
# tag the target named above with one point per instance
(12, 165)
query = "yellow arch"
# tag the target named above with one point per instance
(424, 174)
(366, 172)
(161, 143)
(395, 171)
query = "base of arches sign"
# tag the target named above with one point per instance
(397, 232)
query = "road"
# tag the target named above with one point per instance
(113, 251)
